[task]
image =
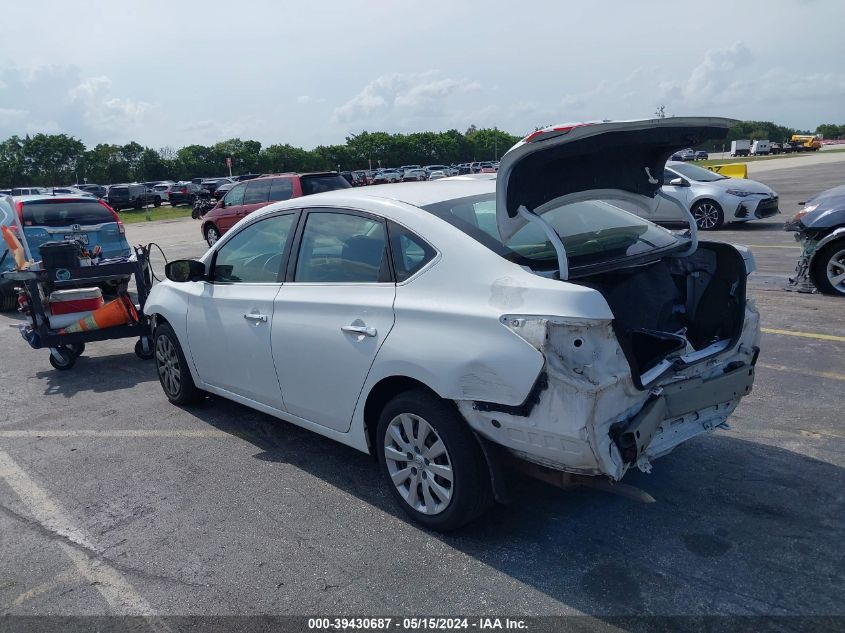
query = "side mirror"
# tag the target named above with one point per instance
(678, 182)
(182, 270)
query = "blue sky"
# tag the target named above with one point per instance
(174, 73)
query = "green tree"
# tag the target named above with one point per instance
(51, 159)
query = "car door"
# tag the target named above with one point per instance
(332, 314)
(231, 209)
(229, 321)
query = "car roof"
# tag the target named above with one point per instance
(418, 194)
(64, 196)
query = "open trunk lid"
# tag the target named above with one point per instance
(619, 160)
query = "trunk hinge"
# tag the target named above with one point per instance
(554, 238)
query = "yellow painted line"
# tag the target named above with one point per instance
(831, 375)
(815, 335)
(114, 433)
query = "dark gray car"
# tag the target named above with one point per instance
(820, 227)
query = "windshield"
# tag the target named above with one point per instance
(65, 213)
(693, 172)
(593, 232)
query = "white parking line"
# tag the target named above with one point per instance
(150, 433)
(115, 589)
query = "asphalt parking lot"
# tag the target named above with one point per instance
(113, 501)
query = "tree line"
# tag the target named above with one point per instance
(60, 159)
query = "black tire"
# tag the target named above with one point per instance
(212, 234)
(139, 349)
(77, 349)
(157, 202)
(833, 253)
(138, 205)
(169, 356)
(8, 302)
(470, 491)
(708, 215)
(68, 358)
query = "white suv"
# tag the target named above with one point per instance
(448, 327)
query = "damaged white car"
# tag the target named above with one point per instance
(447, 326)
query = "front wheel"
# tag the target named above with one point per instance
(212, 235)
(828, 270)
(173, 372)
(62, 358)
(708, 215)
(157, 202)
(431, 461)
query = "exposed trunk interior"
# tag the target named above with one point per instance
(675, 304)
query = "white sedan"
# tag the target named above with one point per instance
(452, 327)
(713, 199)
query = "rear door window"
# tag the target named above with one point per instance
(65, 213)
(342, 248)
(281, 189)
(257, 191)
(323, 182)
(410, 252)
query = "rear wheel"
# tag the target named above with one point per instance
(431, 461)
(173, 372)
(708, 215)
(212, 235)
(828, 270)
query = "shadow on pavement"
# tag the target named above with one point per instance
(739, 527)
(98, 374)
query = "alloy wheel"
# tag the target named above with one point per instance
(419, 464)
(706, 215)
(211, 236)
(836, 271)
(169, 369)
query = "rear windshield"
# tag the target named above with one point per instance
(65, 213)
(118, 190)
(593, 232)
(319, 184)
(161, 187)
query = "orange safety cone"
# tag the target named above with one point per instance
(116, 312)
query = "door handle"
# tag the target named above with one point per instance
(262, 318)
(359, 329)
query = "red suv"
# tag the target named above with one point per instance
(246, 197)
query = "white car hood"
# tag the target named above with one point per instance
(600, 160)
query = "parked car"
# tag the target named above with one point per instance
(594, 352)
(432, 168)
(222, 190)
(684, 155)
(385, 176)
(487, 169)
(183, 193)
(211, 184)
(98, 190)
(73, 191)
(712, 199)
(162, 189)
(8, 296)
(437, 175)
(89, 221)
(244, 198)
(414, 175)
(27, 191)
(820, 227)
(131, 196)
(701, 155)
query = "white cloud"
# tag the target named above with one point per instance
(103, 110)
(402, 93)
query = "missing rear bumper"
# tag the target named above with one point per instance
(634, 436)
